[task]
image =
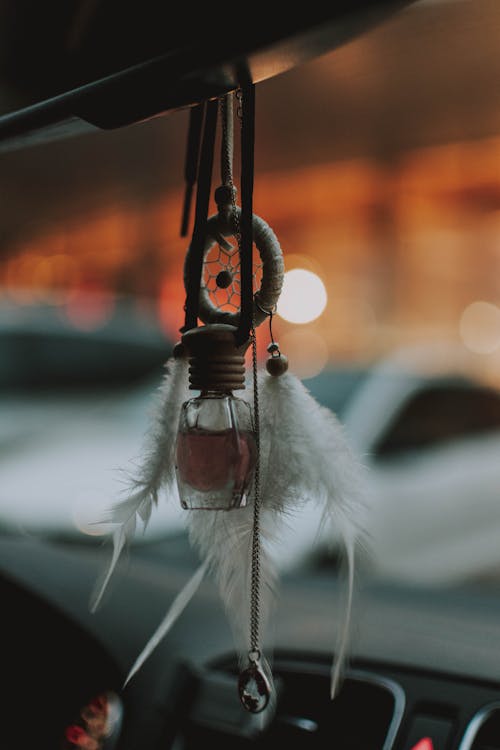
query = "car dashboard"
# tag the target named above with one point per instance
(422, 674)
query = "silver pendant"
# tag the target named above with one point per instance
(254, 688)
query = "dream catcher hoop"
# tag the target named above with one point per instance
(270, 270)
(238, 465)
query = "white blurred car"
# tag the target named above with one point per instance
(431, 445)
(434, 502)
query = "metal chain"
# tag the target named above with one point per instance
(256, 542)
(254, 653)
(227, 178)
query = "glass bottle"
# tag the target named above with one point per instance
(215, 452)
(215, 449)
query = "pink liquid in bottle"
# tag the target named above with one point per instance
(214, 469)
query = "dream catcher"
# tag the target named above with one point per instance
(239, 466)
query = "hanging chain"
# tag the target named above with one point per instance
(227, 179)
(256, 542)
(254, 653)
(253, 677)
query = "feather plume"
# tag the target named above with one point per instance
(312, 461)
(305, 457)
(174, 612)
(156, 471)
(224, 540)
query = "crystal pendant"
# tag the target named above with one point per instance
(254, 688)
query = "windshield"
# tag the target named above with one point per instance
(378, 172)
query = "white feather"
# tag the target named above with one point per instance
(307, 454)
(121, 535)
(304, 457)
(156, 471)
(224, 540)
(308, 458)
(338, 664)
(175, 610)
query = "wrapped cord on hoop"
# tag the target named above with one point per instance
(246, 220)
(200, 219)
(191, 162)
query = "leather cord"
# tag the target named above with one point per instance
(246, 218)
(191, 162)
(203, 188)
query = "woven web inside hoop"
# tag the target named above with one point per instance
(222, 267)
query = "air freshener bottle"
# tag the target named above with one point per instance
(215, 451)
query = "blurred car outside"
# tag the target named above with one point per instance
(428, 432)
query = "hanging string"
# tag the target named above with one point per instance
(191, 162)
(227, 191)
(195, 255)
(227, 150)
(246, 221)
(270, 313)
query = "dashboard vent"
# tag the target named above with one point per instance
(483, 732)
(366, 713)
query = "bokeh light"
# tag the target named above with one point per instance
(89, 308)
(480, 327)
(170, 306)
(89, 511)
(303, 298)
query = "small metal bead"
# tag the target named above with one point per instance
(277, 366)
(254, 655)
(224, 279)
(274, 347)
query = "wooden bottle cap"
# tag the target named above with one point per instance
(216, 363)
